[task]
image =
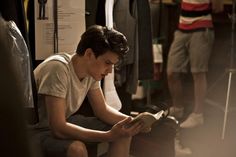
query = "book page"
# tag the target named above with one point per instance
(147, 118)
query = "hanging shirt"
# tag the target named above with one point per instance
(195, 15)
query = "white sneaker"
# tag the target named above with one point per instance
(193, 120)
(176, 112)
(181, 151)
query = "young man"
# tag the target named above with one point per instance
(192, 45)
(64, 80)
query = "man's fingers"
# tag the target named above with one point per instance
(124, 121)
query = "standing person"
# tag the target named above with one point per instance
(64, 80)
(192, 46)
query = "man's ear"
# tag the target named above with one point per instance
(89, 53)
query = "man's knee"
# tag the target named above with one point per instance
(76, 149)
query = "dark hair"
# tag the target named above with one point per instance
(102, 39)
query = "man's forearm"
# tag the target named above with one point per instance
(111, 115)
(71, 131)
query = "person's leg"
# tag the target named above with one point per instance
(117, 148)
(200, 49)
(175, 88)
(77, 149)
(120, 147)
(176, 92)
(200, 87)
(177, 63)
(48, 145)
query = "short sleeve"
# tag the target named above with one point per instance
(52, 79)
(95, 85)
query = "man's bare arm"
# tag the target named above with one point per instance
(103, 110)
(62, 129)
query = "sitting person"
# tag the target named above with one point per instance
(64, 80)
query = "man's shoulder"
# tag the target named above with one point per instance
(56, 64)
(61, 57)
(57, 61)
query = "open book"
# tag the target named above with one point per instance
(147, 118)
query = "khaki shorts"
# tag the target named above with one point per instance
(190, 51)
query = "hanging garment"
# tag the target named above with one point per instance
(144, 40)
(126, 24)
(133, 19)
(109, 89)
(91, 7)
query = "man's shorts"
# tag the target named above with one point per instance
(52, 146)
(190, 49)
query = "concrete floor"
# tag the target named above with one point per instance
(206, 140)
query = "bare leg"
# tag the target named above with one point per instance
(120, 147)
(175, 87)
(77, 149)
(200, 87)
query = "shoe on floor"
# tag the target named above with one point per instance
(181, 151)
(176, 112)
(193, 120)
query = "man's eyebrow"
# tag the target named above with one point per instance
(110, 62)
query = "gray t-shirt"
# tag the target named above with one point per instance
(56, 77)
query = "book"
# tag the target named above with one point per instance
(147, 118)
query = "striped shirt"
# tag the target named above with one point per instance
(195, 15)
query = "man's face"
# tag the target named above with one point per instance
(102, 65)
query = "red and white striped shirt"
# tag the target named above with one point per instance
(195, 14)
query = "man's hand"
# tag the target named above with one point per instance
(144, 128)
(121, 130)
